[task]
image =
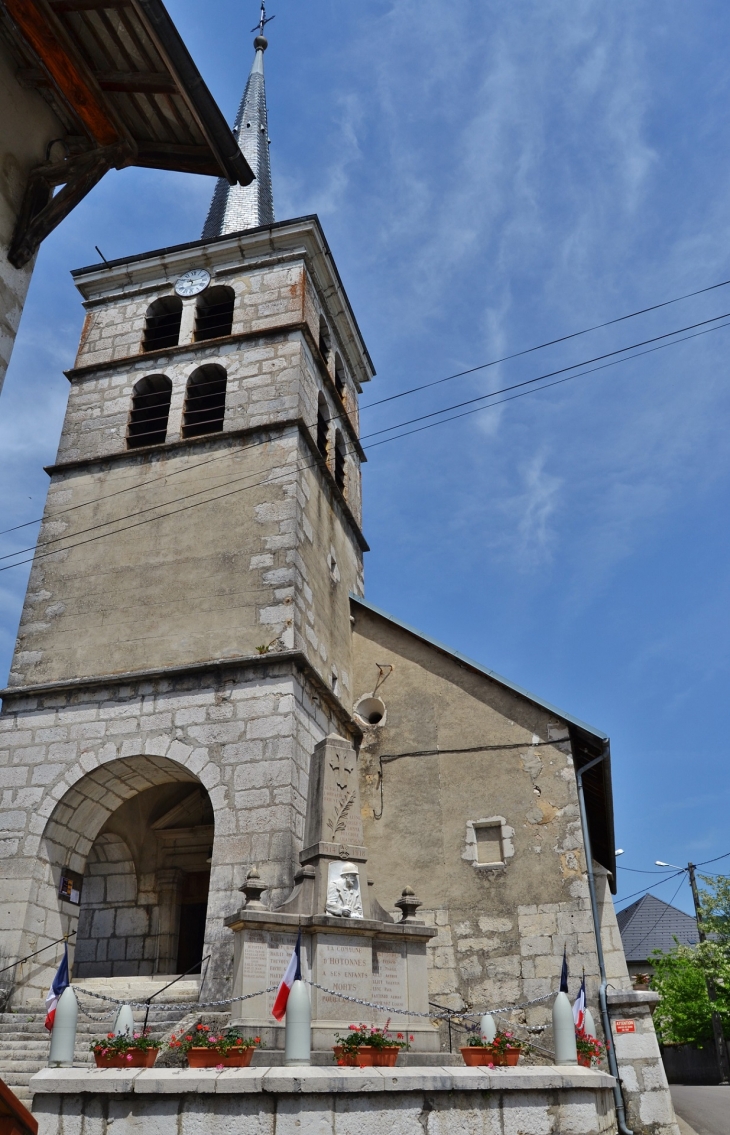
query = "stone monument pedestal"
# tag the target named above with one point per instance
(380, 962)
(350, 946)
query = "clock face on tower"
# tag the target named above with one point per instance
(192, 282)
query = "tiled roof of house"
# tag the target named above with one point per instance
(650, 924)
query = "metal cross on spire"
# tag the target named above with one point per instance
(264, 20)
(236, 207)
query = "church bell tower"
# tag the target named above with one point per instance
(185, 640)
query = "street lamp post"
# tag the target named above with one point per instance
(720, 1046)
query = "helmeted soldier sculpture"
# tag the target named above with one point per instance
(343, 893)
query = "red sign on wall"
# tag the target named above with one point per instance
(625, 1026)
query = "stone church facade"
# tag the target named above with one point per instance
(195, 624)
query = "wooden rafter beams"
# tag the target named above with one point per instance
(41, 210)
(134, 82)
(86, 5)
(43, 32)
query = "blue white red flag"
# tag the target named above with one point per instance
(293, 973)
(579, 1006)
(59, 983)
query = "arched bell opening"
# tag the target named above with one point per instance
(129, 851)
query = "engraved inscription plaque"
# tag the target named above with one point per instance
(390, 976)
(343, 967)
(266, 955)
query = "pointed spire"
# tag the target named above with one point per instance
(236, 207)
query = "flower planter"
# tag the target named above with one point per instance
(365, 1056)
(386, 1057)
(345, 1056)
(584, 1061)
(506, 1059)
(211, 1057)
(477, 1054)
(140, 1058)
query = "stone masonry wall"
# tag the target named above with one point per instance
(246, 736)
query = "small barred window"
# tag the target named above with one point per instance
(214, 313)
(322, 427)
(205, 401)
(162, 324)
(150, 410)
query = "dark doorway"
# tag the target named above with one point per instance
(193, 909)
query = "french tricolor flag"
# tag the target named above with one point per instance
(59, 983)
(293, 973)
(579, 1006)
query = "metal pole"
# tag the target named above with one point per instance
(605, 1019)
(719, 1037)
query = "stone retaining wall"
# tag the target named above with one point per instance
(325, 1101)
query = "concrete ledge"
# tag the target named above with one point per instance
(288, 1081)
(632, 998)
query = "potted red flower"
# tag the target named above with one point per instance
(136, 1051)
(366, 1046)
(504, 1050)
(590, 1050)
(204, 1048)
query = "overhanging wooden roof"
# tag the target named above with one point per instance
(15, 1119)
(124, 86)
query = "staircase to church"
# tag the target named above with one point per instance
(24, 1041)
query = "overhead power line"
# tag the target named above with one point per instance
(83, 504)
(551, 374)
(436, 382)
(549, 343)
(384, 441)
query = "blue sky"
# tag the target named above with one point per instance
(491, 176)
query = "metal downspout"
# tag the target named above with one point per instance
(612, 1062)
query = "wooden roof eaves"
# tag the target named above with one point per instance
(194, 91)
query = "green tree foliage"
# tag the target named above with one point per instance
(684, 1014)
(715, 907)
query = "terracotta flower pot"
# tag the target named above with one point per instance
(345, 1056)
(211, 1057)
(584, 1061)
(386, 1057)
(141, 1058)
(365, 1056)
(475, 1054)
(506, 1059)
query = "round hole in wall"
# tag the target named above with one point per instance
(371, 710)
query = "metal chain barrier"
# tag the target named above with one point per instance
(445, 1013)
(175, 1005)
(431, 1016)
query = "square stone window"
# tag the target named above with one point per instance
(489, 844)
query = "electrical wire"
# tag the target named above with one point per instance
(384, 441)
(546, 386)
(549, 343)
(637, 872)
(551, 374)
(437, 382)
(388, 429)
(647, 890)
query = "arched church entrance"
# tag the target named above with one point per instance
(129, 849)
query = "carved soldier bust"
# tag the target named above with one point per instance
(343, 891)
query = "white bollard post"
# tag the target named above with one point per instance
(124, 1023)
(298, 1035)
(564, 1031)
(488, 1028)
(63, 1035)
(589, 1025)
